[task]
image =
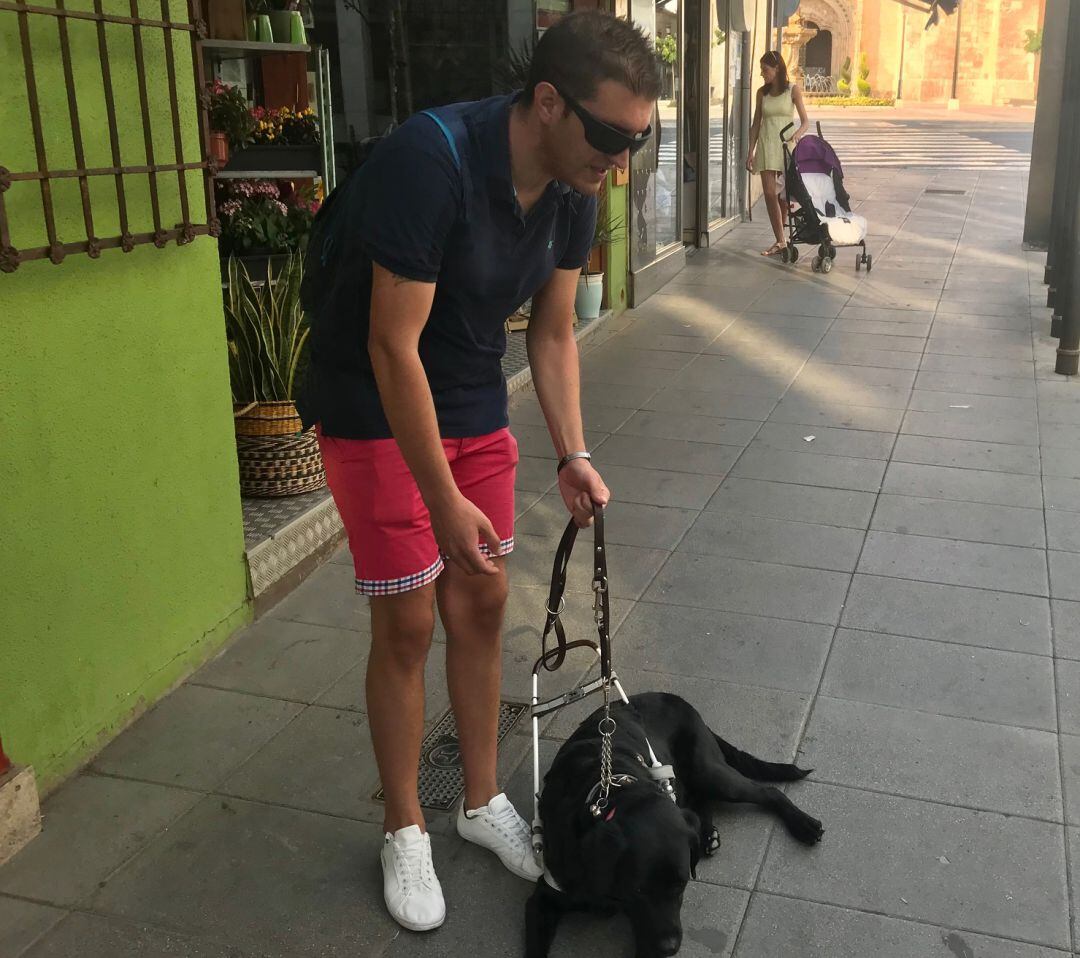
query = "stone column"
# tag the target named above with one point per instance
(1047, 123)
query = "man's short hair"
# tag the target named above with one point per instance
(583, 49)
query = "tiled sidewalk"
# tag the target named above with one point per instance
(893, 600)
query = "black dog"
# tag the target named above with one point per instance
(639, 853)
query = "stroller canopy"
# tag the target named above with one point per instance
(813, 155)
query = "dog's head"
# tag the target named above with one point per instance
(640, 856)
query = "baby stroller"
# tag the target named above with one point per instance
(818, 204)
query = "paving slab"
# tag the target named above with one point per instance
(322, 762)
(22, 923)
(1066, 617)
(629, 523)
(971, 424)
(938, 758)
(965, 485)
(967, 454)
(195, 737)
(754, 588)
(972, 521)
(1061, 495)
(786, 926)
(1063, 530)
(1064, 575)
(837, 472)
(975, 385)
(90, 828)
(280, 658)
(232, 869)
(728, 646)
(826, 440)
(955, 562)
(660, 487)
(675, 425)
(697, 402)
(1070, 766)
(675, 455)
(774, 540)
(1068, 694)
(833, 412)
(1073, 838)
(327, 597)
(991, 620)
(982, 871)
(990, 685)
(98, 936)
(783, 500)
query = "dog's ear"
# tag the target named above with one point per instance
(601, 849)
(693, 823)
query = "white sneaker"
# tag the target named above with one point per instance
(497, 826)
(413, 894)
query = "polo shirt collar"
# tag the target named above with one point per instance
(496, 139)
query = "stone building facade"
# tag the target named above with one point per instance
(994, 69)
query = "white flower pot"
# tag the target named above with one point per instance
(590, 294)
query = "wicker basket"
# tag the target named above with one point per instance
(280, 465)
(266, 419)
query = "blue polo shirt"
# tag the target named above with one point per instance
(420, 212)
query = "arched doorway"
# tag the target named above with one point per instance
(819, 54)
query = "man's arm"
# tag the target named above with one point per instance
(553, 356)
(399, 311)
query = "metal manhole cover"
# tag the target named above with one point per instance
(441, 778)
(947, 192)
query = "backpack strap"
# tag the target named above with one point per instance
(453, 130)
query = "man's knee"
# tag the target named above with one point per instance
(482, 598)
(402, 626)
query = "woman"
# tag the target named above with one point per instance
(773, 112)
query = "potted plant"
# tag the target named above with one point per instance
(283, 139)
(231, 122)
(281, 14)
(267, 338)
(262, 225)
(590, 291)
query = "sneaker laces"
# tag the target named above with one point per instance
(413, 864)
(511, 826)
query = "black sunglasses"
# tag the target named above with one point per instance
(604, 137)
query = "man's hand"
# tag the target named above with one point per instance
(458, 527)
(581, 486)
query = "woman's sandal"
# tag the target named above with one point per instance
(774, 249)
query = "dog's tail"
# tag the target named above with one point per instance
(758, 770)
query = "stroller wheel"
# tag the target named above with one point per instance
(794, 252)
(785, 254)
(815, 264)
(826, 265)
(869, 263)
(832, 252)
(858, 263)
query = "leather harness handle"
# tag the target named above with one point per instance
(552, 659)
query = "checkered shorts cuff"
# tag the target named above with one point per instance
(404, 584)
(506, 546)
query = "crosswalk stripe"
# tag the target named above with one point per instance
(902, 147)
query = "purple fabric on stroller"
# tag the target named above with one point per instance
(813, 155)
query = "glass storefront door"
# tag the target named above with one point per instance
(726, 159)
(654, 177)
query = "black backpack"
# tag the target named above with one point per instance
(323, 262)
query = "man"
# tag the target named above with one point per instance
(455, 220)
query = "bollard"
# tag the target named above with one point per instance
(1067, 254)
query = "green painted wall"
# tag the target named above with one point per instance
(618, 254)
(122, 563)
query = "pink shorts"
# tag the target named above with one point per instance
(387, 523)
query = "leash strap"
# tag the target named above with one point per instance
(552, 658)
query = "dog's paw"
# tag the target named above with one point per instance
(710, 841)
(806, 829)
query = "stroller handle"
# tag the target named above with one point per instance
(784, 130)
